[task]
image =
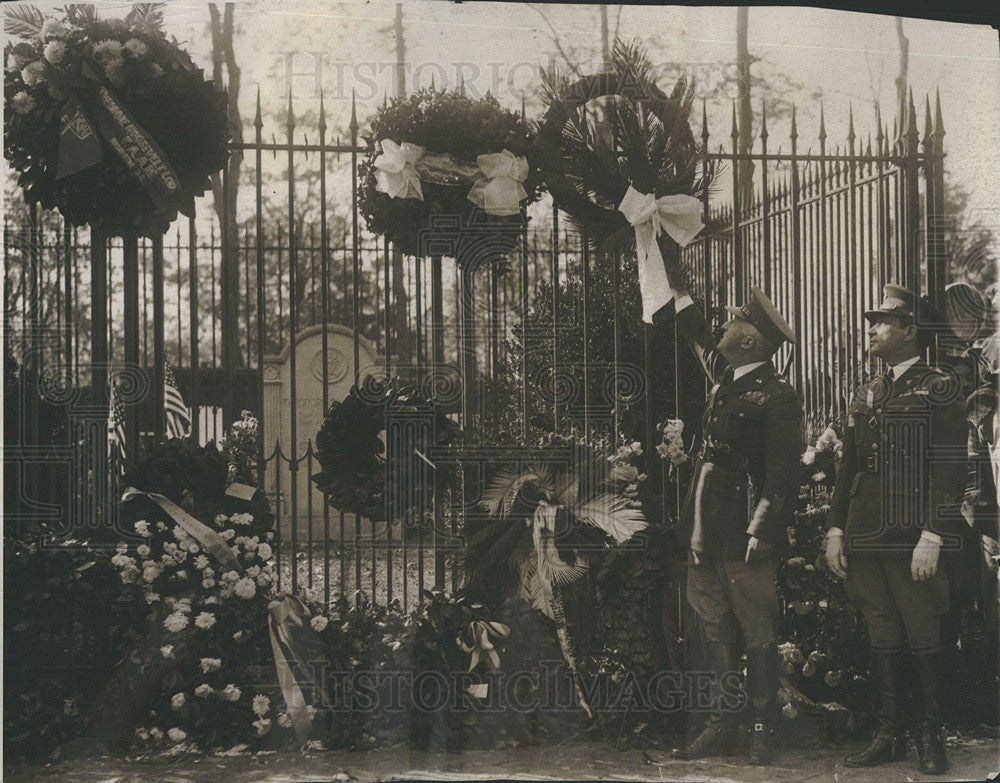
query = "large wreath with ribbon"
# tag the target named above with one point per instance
(108, 121)
(627, 167)
(350, 450)
(442, 167)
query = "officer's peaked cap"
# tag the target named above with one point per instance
(761, 312)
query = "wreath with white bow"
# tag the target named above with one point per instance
(625, 169)
(446, 172)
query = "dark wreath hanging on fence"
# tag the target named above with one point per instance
(443, 169)
(351, 452)
(107, 120)
(625, 170)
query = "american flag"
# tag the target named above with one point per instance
(178, 418)
(116, 432)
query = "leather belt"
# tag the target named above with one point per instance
(724, 457)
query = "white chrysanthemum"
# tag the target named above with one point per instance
(238, 636)
(108, 49)
(192, 547)
(135, 47)
(230, 577)
(130, 574)
(208, 573)
(269, 536)
(242, 519)
(226, 535)
(181, 575)
(152, 598)
(253, 571)
(264, 552)
(120, 561)
(246, 588)
(178, 701)
(151, 570)
(252, 544)
(285, 720)
(318, 623)
(142, 528)
(55, 51)
(205, 620)
(231, 693)
(53, 28)
(156, 734)
(208, 584)
(235, 550)
(263, 726)
(809, 457)
(184, 605)
(141, 734)
(203, 691)
(209, 665)
(175, 622)
(170, 548)
(220, 519)
(122, 548)
(176, 734)
(167, 651)
(225, 593)
(201, 563)
(142, 550)
(161, 526)
(115, 71)
(261, 704)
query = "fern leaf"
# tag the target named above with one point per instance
(146, 14)
(503, 488)
(613, 515)
(24, 21)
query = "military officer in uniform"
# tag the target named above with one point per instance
(739, 504)
(894, 509)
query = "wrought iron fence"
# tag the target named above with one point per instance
(229, 311)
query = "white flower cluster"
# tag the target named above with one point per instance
(671, 447)
(828, 441)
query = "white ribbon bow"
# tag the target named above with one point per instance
(395, 174)
(500, 191)
(680, 216)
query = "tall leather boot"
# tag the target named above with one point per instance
(762, 692)
(719, 730)
(930, 738)
(889, 742)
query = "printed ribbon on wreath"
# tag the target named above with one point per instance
(92, 104)
(680, 216)
(209, 540)
(497, 178)
(294, 645)
(480, 632)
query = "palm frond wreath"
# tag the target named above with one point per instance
(611, 130)
(545, 521)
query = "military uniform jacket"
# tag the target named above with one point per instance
(748, 466)
(904, 464)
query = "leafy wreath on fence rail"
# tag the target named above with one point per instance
(350, 451)
(453, 130)
(82, 93)
(640, 137)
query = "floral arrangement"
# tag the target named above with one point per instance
(108, 121)
(240, 445)
(438, 154)
(350, 450)
(819, 460)
(671, 446)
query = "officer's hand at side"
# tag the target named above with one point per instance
(755, 549)
(924, 562)
(835, 557)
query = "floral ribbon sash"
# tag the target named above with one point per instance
(94, 112)
(209, 540)
(291, 638)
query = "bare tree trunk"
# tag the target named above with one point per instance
(605, 42)
(745, 142)
(224, 200)
(398, 320)
(901, 77)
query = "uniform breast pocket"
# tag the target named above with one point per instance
(740, 423)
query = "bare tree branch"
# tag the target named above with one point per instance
(556, 41)
(904, 62)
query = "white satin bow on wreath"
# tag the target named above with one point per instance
(498, 187)
(680, 217)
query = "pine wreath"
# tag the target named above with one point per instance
(637, 135)
(74, 57)
(350, 451)
(445, 220)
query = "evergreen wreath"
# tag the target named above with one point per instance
(350, 451)
(152, 78)
(450, 124)
(638, 136)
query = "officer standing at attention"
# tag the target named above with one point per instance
(738, 506)
(891, 514)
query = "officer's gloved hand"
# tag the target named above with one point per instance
(756, 550)
(924, 562)
(835, 557)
